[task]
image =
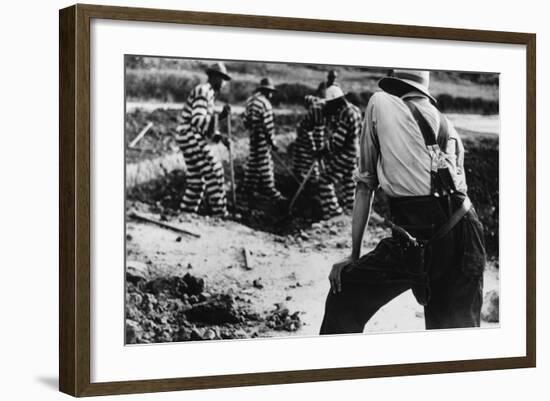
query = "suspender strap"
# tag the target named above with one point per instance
(425, 128)
(441, 180)
(453, 220)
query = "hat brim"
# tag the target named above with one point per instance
(221, 74)
(268, 88)
(327, 101)
(399, 87)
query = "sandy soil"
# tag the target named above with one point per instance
(290, 269)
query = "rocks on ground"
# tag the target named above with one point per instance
(490, 309)
(280, 318)
(179, 308)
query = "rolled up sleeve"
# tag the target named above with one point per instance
(369, 151)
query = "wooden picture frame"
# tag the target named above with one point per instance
(74, 202)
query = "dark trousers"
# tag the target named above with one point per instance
(455, 267)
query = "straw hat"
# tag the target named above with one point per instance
(266, 83)
(218, 68)
(404, 81)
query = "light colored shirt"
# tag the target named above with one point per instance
(392, 150)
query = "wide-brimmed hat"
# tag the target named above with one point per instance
(333, 92)
(266, 84)
(404, 81)
(218, 68)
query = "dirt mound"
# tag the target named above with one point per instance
(178, 308)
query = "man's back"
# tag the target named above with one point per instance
(393, 152)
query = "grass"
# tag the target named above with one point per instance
(173, 85)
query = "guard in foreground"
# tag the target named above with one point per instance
(410, 150)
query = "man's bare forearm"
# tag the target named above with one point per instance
(361, 213)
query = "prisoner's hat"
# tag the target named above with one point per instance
(218, 68)
(266, 84)
(404, 81)
(333, 92)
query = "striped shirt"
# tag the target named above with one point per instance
(198, 110)
(258, 117)
(346, 131)
(311, 128)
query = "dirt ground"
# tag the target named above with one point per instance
(285, 272)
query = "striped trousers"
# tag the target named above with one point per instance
(338, 171)
(259, 176)
(204, 175)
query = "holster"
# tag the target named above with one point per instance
(416, 262)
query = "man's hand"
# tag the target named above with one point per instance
(335, 276)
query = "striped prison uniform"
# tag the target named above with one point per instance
(258, 118)
(340, 162)
(204, 170)
(309, 138)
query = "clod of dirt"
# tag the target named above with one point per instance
(176, 286)
(219, 309)
(136, 272)
(133, 331)
(210, 334)
(490, 309)
(196, 334)
(258, 283)
(281, 319)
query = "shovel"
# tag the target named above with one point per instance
(297, 194)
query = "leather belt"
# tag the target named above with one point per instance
(453, 220)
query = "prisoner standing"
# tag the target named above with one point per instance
(309, 138)
(204, 170)
(259, 179)
(339, 153)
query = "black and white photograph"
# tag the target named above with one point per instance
(271, 199)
